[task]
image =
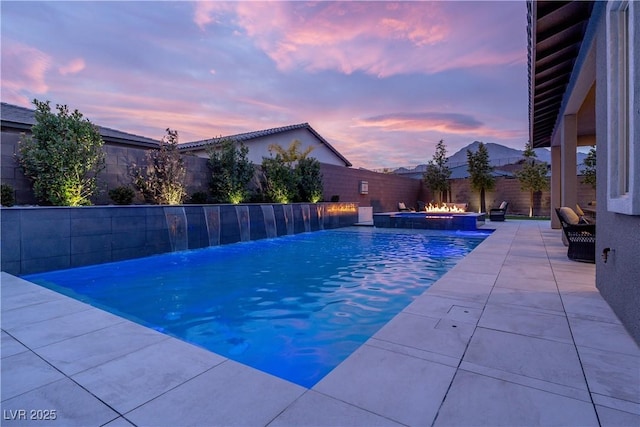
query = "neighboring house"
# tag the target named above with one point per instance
(258, 143)
(584, 72)
(17, 119)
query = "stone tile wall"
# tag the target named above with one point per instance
(36, 239)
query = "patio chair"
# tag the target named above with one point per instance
(421, 206)
(581, 237)
(498, 214)
(403, 208)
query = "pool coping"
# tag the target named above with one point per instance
(445, 351)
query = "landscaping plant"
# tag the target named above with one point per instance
(7, 195)
(62, 156)
(480, 173)
(231, 172)
(122, 195)
(161, 178)
(291, 175)
(436, 177)
(589, 171)
(532, 176)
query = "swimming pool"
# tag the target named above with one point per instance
(293, 306)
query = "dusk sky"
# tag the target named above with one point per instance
(381, 81)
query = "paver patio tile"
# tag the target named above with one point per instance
(603, 335)
(63, 327)
(119, 422)
(10, 346)
(24, 372)
(526, 321)
(95, 348)
(441, 336)
(614, 418)
(542, 299)
(231, 394)
(73, 406)
(588, 305)
(476, 400)
(315, 409)
(612, 374)
(405, 389)
(537, 358)
(39, 312)
(443, 307)
(138, 377)
(512, 281)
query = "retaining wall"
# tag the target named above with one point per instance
(36, 239)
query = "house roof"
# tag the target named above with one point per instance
(248, 136)
(556, 31)
(21, 118)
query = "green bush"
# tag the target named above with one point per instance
(231, 172)
(62, 156)
(122, 195)
(161, 178)
(291, 176)
(7, 195)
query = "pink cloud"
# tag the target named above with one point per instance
(73, 67)
(377, 38)
(24, 70)
(419, 122)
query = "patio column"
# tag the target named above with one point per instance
(569, 175)
(556, 191)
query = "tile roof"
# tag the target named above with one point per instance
(14, 116)
(248, 136)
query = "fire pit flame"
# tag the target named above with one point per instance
(443, 208)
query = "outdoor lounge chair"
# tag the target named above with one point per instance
(403, 208)
(498, 214)
(581, 237)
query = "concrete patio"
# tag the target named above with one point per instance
(515, 334)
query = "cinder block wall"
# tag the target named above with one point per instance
(509, 189)
(384, 193)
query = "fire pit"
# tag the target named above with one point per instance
(434, 217)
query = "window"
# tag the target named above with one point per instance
(623, 192)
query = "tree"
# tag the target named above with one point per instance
(231, 172)
(436, 177)
(589, 171)
(291, 175)
(309, 180)
(480, 173)
(161, 178)
(62, 156)
(533, 175)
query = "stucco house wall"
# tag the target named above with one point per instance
(259, 147)
(618, 279)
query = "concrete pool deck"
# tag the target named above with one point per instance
(515, 334)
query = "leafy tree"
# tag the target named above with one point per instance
(291, 175)
(62, 156)
(231, 172)
(436, 177)
(532, 176)
(589, 172)
(309, 180)
(161, 178)
(480, 173)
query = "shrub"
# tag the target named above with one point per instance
(309, 180)
(231, 172)
(122, 195)
(62, 156)
(161, 179)
(7, 195)
(290, 175)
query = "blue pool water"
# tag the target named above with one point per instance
(294, 306)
